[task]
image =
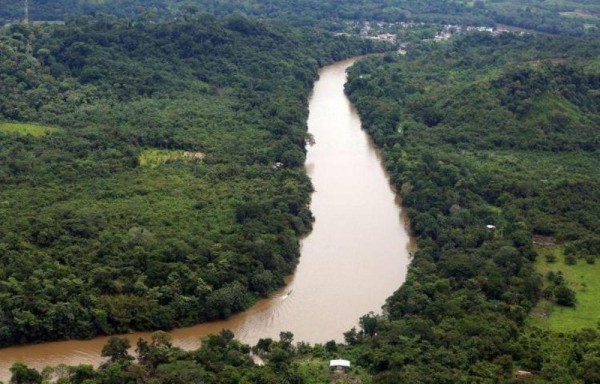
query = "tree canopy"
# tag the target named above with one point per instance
(147, 198)
(491, 142)
(564, 16)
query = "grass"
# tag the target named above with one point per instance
(155, 157)
(583, 279)
(36, 130)
(557, 105)
(578, 14)
(535, 165)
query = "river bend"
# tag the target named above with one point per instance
(355, 257)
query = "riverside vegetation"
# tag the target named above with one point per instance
(486, 131)
(145, 195)
(489, 140)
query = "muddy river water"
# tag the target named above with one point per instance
(355, 257)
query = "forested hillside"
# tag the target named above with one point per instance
(492, 143)
(151, 173)
(151, 164)
(576, 17)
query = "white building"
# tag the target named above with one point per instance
(339, 365)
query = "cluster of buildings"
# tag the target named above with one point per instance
(389, 31)
(380, 30)
(449, 30)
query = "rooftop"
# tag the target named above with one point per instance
(339, 363)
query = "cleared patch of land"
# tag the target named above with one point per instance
(36, 130)
(583, 279)
(155, 157)
(578, 14)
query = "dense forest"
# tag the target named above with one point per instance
(490, 141)
(576, 17)
(152, 172)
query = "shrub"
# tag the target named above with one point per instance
(565, 296)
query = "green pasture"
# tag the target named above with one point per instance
(154, 157)
(583, 279)
(36, 130)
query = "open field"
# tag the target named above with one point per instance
(578, 14)
(155, 157)
(26, 129)
(583, 279)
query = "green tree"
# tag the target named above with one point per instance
(21, 374)
(117, 349)
(565, 296)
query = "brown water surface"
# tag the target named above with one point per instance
(355, 257)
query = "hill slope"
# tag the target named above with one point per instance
(493, 142)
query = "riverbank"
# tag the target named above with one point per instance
(355, 257)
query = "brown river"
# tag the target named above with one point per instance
(356, 256)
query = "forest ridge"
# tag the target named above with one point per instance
(574, 17)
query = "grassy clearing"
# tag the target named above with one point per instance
(583, 279)
(556, 104)
(155, 157)
(580, 14)
(26, 129)
(535, 165)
